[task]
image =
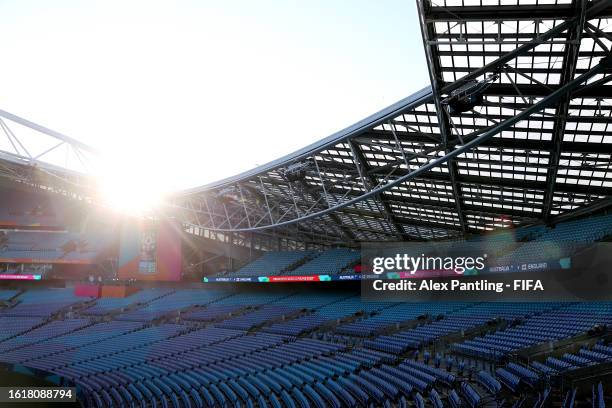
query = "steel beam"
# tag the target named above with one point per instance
(433, 65)
(596, 8)
(505, 143)
(503, 12)
(47, 131)
(346, 230)
(362, 164)
(570, 60)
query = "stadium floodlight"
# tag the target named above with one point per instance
(468, 95)
(295, 172)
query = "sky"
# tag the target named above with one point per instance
(178, 94)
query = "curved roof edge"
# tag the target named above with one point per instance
(376, 119)
(47, 131)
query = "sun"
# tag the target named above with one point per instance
(132, 190)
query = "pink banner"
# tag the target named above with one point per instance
(87, 291)
(305, 278)
(19, 277)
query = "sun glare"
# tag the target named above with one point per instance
(133, 191)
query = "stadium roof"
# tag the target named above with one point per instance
(514, 129)
(537, 145)
(36, 155)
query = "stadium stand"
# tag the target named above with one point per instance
(288, 349)
(42, 303)
(7, 294)
(564, 239)
(274, 263)
(55, 246)
(169, 304)
(330, 262)
(549, 326)
(395, 315)
(106, 305)
(529, 244)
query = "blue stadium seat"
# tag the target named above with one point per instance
(508, 379)
(187, 364)
(300, 398)
(489, 382)
(454, 399)
(287, 400)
